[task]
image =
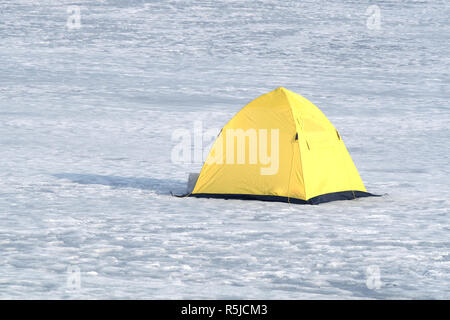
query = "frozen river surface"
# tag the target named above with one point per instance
(91, 95)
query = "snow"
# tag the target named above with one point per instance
(87, 116)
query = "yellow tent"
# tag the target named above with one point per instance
(279, 147)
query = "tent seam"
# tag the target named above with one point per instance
(298, 144)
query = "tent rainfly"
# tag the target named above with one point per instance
(279, 147)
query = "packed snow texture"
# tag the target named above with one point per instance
(88, 113)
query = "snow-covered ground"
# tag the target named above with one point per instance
(86, 122)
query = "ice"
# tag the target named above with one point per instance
(87, 116)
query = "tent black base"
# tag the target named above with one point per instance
(342, 195)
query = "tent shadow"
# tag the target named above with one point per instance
(158, 186)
